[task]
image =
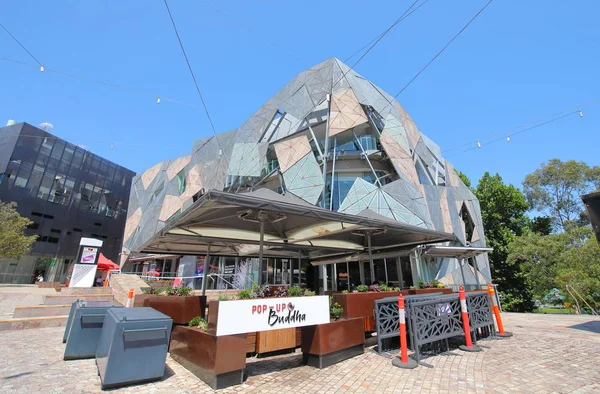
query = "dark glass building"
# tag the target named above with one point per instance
(68, 192)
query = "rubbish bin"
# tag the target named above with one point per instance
(82, 304)
(133, 346)
(85, 328)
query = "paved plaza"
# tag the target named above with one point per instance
(547, 354)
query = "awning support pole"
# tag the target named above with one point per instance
(324, 274)
(372, 266)
(462, 271)
(205, 269)
(326, 154)
(386, 271)
(348, 272)
(260, 249)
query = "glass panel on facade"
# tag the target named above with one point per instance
(181, 181)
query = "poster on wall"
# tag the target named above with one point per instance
(88, 255)
(243, 316)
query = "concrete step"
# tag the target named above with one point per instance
(41, 310)
(85, 290)
(33, 322)
(68, 299)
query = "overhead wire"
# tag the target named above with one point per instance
(123, 88)
(192, 73)
(383, 33)
(442, 50)
(21, 45)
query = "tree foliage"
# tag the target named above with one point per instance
(13, 241)
(556, 187)
(570, 258)
(464, 178)
(503, 210)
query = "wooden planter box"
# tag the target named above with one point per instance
(218, 361)
(363, 305)
(444, 290)
(180, 309)
(328, 344)
(264, 341)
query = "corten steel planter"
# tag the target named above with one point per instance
(218, 361)
(327, 344)
(443, 290)
(180, 309)
(363, 305)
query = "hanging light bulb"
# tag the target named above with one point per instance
(580, 113)
(112, 145)
(508, 139)
(220, 152)
(478, 144)
(158, 100)
(41, 68)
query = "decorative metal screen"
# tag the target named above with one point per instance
(434, 320)
(480, 313)
(387, 317)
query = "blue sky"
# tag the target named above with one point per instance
(519, 61)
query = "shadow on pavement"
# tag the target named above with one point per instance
(591, 326)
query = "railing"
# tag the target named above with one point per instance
(480, 314)
(386, 316)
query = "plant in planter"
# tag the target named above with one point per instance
(244, 294)
(199, 323)
(295, 291)
(335, 309)
(223, 298)
(362, 288)
(177, 303)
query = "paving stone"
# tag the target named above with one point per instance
(547, 354)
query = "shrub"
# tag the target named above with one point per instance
(397, 289)
(151, 290)
(295, 291)
(434, 283)
(199, 323)
(222, 298)
(384, 287)
(344, 291)
(184, 291)
(412, 287)
(308, 293)
(335, 309)
(362, 288)
(375, 287)
(421, 284)
(245, 294)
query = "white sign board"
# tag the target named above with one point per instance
(242, 316)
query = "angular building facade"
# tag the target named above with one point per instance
(67, 192)
(333, 140)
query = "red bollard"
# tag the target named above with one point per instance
(496, 310)
(403, 361)
(468, 346)
(129, 299)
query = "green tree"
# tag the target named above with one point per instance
(464, 178)
(503, 210)
(556, 187)
(541, 225)
(569, 261)
(13, 241)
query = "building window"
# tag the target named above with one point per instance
(181, 181)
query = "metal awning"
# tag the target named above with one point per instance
(231, 224)
(461, 252)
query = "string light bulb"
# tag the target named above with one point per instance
(41, 68)
(158, 100)
(478, 144)
(508, 139)
(580, 113)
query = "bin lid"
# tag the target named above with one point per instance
(97, 304)
(137, 314)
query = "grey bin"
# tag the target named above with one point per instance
(133, 346)
(82, 304)
(84, 329)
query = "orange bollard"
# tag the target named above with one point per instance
(403, 361)
(129, 299)
(496, 310)
(468, 346)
